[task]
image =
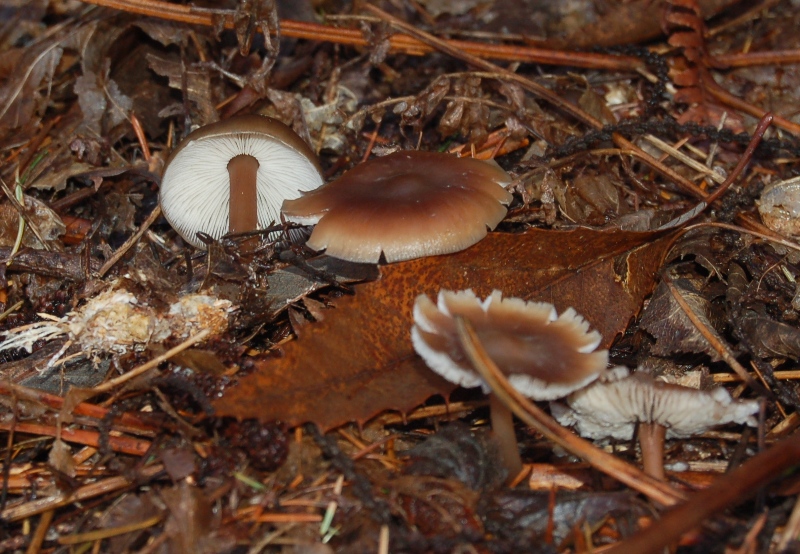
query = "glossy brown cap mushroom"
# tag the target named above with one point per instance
(407, 205)
(233, 176)
(544, 356)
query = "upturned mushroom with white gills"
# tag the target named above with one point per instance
(613, 408)
(406, 205)
(544, 355)
(232, 177)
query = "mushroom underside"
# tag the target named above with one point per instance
(197, 186)
(612, 409)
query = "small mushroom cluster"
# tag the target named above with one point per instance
(240, 174)
(548, 357)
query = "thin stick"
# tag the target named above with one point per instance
(41, 532)
(397, 43)
(531, 414)
(17, 205)
(140, 136)
(100, 534)
(780, 375)
(763, 236)
(713, 339)
(116, 256)
(744, 159)
(446, 47)
(126, 445)
(729, 99)
(104, 486)
(770, 57)
(128, 422)
(684, 159)
(287, 518)
(792, 528)
(144, 368)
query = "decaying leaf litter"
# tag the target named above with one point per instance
(165, 398)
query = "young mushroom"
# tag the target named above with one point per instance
(407, 205)
(233, 175)
(545, 356)
(613, 408)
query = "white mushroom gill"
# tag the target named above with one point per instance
(195, 192)
(613, 408)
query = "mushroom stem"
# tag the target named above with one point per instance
(243, 170)
(503, 432)
(651, 440)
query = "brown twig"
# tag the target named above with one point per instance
(144, 368)
(131, 241)
(126, 445)
(729, 99)
(713, 339)
(62, 265)
(140, 136)
(41, 532)
(104, 486)
(22, 213)
(399, 43)
(547, 426)
(130, 423)
(744, 159)
(780, 375)
(451, 50)
(100, 534)
(749, 59)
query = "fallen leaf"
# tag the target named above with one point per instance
(770, 338)
(672, 328)
(359, 361)
(46, 221)
(196, 82)
(60, 457)
(191, 526)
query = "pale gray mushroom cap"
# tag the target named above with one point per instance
(195, 187)
(544, 356)
(407, 205)
(611, 409)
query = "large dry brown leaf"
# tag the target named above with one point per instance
(359, 360)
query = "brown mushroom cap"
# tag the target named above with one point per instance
(612, 408)
(545, 356)
(195, 187)
(407, 205)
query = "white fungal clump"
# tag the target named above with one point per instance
(116, 321)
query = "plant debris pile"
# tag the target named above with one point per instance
(257, 396)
